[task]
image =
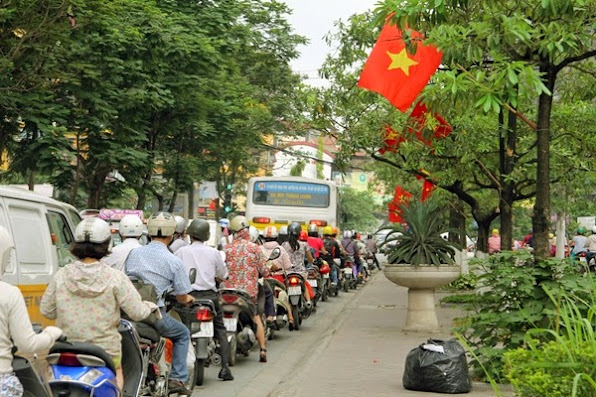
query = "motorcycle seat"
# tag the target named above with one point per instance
(275, 283)
(84, 348)
(241, 293)
(146, 331)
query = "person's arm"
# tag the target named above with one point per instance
(47, 307)
(309, 257)
(323, 249)
(130, 302)
(181, 283)
(221, 270)
(21, 330)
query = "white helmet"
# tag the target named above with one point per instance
(254, 234)
(270, 232)
(92, 230)
(238, 223)
(348, 234)
(130, 226)
(594, 229)
(6, 249)
(283, 230)
(161, 224)
(224, 222)
(180, 224)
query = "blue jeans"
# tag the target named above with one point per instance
(180, 336)
(334, 276)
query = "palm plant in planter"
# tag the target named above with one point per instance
(421, 260)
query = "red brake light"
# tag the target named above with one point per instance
(261, 220)
(318, 222)
(294, 281)
(229, 298)
(228, 315)
(69, 360)
(204, 314)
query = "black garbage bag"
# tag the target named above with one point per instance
(437, 366)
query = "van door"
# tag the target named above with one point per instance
(36, 264)
(11, 275)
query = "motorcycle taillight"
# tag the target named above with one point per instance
(293, 281)
(69, 360)
(229, 298)
(204, 314)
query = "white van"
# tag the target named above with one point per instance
(42, 229)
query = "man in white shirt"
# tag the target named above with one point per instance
(210, 267)
(130, 229)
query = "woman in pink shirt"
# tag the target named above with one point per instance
(494, 242)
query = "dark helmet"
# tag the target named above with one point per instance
(199, 229)
(294, 229)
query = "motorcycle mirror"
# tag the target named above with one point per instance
(192, 275)
(276, 253)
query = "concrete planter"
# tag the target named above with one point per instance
(421, 282)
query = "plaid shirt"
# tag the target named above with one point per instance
(156, 265)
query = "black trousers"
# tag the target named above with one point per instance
(218, 324)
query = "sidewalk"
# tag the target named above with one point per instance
(367, 352)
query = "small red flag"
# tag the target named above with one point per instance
(401, 197)
(391, 140)
(418, 119)
(212, 205)
(394, 73)
(427, 189)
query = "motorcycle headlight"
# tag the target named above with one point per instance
(90, 376)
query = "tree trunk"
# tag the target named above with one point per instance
(457, 222)
(95, 190)
(507, 147)
(483, 229)
(192, 210)
(541, 216)
(560, 233)
(173, 202)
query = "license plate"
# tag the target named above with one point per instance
(348, 270)
(325, 275)
(206, 330)
(231, 324)
(294, 290)
(313, 283)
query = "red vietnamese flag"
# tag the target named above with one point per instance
(401, 197)
(391, 140)
(427, 189)
(394, 73)
(418, 119)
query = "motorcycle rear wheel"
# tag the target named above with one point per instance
(198, 373)
(233, 346)
(297, 318)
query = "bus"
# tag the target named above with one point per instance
(279, 201)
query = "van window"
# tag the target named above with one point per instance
(61, 237)
(28, 233)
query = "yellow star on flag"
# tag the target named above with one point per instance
(402, 61)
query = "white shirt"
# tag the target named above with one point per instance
(15, 324)
(177, 244)
(120, 252)
(208, 263)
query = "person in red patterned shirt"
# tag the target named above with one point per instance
(246, 262)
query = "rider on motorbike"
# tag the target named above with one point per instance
(210, 268)
(299, 254)
(179, 239)
(333, 252)
(315, 242)
(99, 291)
(245, 263)
(590, 245)
(277, 266)
(16, 326)
(154, 264)
(130, 228)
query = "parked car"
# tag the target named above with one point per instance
(470, 247)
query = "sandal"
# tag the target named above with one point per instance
(263, 355)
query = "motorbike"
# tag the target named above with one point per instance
(301, 309)
(324, 271)
(315, 279)
(281, 310)
(238, 310)
(349, 279)
(334, 288)
(198, 317)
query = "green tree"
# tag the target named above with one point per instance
(357, 210)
